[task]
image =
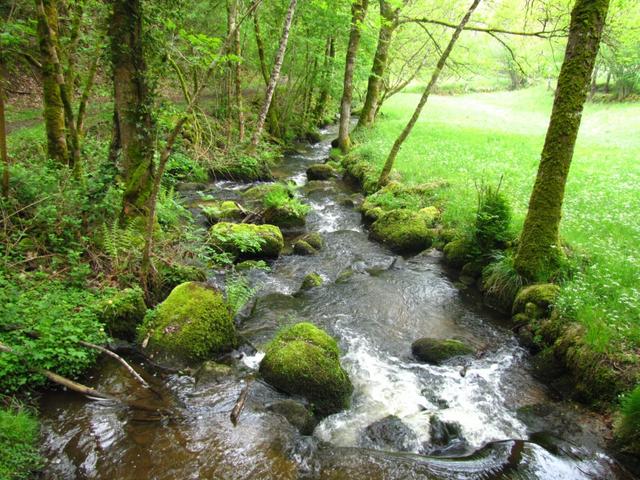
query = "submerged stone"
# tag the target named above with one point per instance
(436, 351)
(296, 414)
(211, 372)
(304, 360)
(194, 323)
(389, 433)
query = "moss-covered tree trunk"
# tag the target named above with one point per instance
(52, 99)
(388, 25)
(388, 165)
(539, 253)
(358, 13)
(133, 104)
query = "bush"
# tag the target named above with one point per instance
(628, 426)
(19, 456)
(493, 219)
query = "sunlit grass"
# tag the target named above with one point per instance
(469, 138)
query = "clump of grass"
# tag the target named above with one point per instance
(628, 426)
(492, 229)
(500, 280)
(19, 456)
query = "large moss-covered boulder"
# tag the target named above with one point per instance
(403, 231)
(458, 252)
(247, 240)
(321, 171)
(194, 323)
(436, 351)
(536, 299)
(305, 360)
(122, 311)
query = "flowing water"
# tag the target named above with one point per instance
(376, 304)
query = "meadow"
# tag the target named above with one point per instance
(493, 137)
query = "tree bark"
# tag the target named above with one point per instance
(237, 81)
(388, 25)
(53, 108)
(275, 76)
(386, 170)
(539, 252)
(358, 13)
(133, 105)
(327, 76)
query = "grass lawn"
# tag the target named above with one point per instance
(470, 138)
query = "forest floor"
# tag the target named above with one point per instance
(468, 139)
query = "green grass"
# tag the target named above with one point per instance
(469, 138)
(18, 444)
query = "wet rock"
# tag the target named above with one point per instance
(247, 239)
(440, 402)
(403, 231)
(445, 438)
(458, 252)
(344, 276)
(313, 137)
(211, 373)
(303, 248)
(435, 351)
(296, 414)
(311, 280)
(304, 360)
(194, 323)
(389, 433)
(321, 171)
(314, 239)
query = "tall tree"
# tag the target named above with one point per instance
(133, 107)
(54, 117)
(386, 170)
(326, 78)
(358, 13)
(4, 156)
(388, 24)
(539, 252)
(275, 75)
(236, 51)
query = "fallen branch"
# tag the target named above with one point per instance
(118, 358)
(242, 399)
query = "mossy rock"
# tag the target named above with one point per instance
(311, 280)
(403, 231)
(257, 193)
(296, 414)
(458, 252)
(472, 269)
(314, 239)
(430, 215)
(285, 216)
(304, 360)
(211, 372)
(194, 323)
(221, 211)
(303, 248)
(321, 171)
(372, 214)
(122, 312)
(313, 137)
(435, 351)
(542, 295)
(247, 240)
(174, 274)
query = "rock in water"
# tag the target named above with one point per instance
(310, 281)
(321, 171)
(403, 231)
(194, 323)
(304, 360)
(445, 438)
(435, 351)
(389, 433)
(296, 414)
(246, 240)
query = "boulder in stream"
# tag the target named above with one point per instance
(302, 247)
(308, 244)
(445, 438)
(286, 215)
(389, 433)
(194, 323)
(436, 351)
(247, 240)
(320, 171)
(310, 281)
(304, 360)
(296, 414)
(403, 231)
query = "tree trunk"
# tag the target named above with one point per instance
(53, 107)
(358, 12)
(233, 13)
(275, 76)
(327, 76)
(539, 252)
(388, 24)
(4, 156)
(386, 170)
(133, 105)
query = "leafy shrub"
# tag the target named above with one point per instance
(493, 219)
(18, 444)
(181, 168)
(282, 196)
(239, 292)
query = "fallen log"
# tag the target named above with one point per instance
(119, 359)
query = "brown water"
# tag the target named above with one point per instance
(512, 427)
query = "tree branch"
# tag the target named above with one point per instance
(540, 34)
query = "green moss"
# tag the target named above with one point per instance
(173, 274)
(220, 211)
(403, 231)
(459, 252)
(310, 281)
(193, 323)
(430, 214)
(314, 239)
(627, 428)
(321, 171)
(243, 168)
(303, 360)
(542, 295)
(122, 311)
(436, 351)
(303, 248)
(285, 216)
(18, 445)
(247, 239)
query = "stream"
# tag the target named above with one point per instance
(510, 425)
